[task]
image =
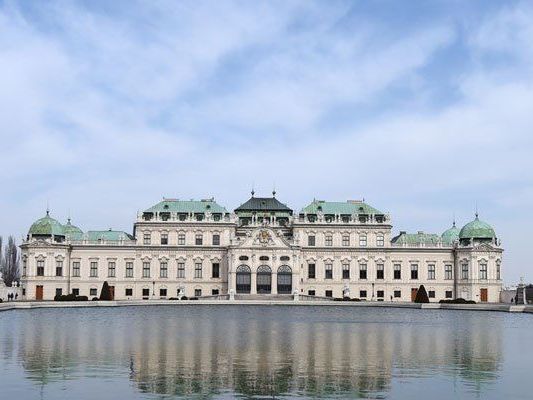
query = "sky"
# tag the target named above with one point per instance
(422, 108)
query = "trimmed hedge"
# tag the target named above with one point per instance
(105, 294)
(70, 297)
(185, 298)
(421, 295)
(457, 301)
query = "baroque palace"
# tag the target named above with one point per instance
(262, 249)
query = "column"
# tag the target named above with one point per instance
(274, 280)
(253, 282)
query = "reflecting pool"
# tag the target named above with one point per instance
(227, 351)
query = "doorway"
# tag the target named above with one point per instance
(38, 292)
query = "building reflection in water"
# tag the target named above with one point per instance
(310, 351)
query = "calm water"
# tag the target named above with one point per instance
(264, 352)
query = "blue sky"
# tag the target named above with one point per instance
(423, 108)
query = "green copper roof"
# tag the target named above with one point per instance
(46, 226)
(187, 206)
(338, 207)
(450, 235)
(263, 204)
(477, 229)
(414, 239)
(110, 235)
(72, 231)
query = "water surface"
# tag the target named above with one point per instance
(203, 351)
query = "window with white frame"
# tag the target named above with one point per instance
(431, 271)
(163, 269)
(380, 271)
(345, 240)
(199, 239)
(362, 271)
(59, 268)
(311, 240)
(75, 268)
(164, 238)
(129, 269)
(345, 271)
(380, 240)
(329, 240)
(329, 271)
(93, 272)
(181, 239)
(146, 269)
(362, 240)
(24, 266)
(397, 271)
(147, 238)
(498, 270)
(40, 267)
(414, 271)
(181, 270)
(216, 239)
(483, 270)
(448, 272)
(464, 270)
(111, 269)
(198, 270)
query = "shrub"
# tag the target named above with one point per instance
(421, 295)
(457, 301)
(184, 298)
(193, 298)
(355, 299)
(1, 301)
(94, 299)
(105, 294)
(346, 298)
(173, 298)
(82, 298)
(70, 297)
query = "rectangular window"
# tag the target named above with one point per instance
(59, 291)
(76, 292)
(162, 292)
(163, 269)
(147, 238)
(329, 240)
(129, 292)
(164, 238)
(198, 270)
(362, 271)
(59, 268)
(216, 270)
(129, 269)
(397, 293)
(345, 240)
(311, 292)
(146, 269)
(380, 240)
(199, 239)
(397, 271)
(24, 267)
(482, 271)
(216, 239)
(464, 271)
(448, 272)
(76, 268)
(214, 292)
(311, 271)
(93, 292)
(311, 240)
(381, 293)
(40, 267)
(431, 271)
(431, 294)
(345, 271)
(111, 269)
(498, 271)
(380, 271)
(181, 239)
(197, 292)
(146, 293)
(449, 294)
(329, 293)
(362, 294)
(329, 271)
(181, 270)
(414, 271)
(362, 240)
(93, 272)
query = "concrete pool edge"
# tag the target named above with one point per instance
(124, 303)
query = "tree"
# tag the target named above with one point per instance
(421, 295)
(105, 294)
(9, 262)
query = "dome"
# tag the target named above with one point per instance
(450, 235)
(72, 231)
(477, 229)
(46, 226)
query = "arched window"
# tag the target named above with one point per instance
(264, 279)
(284, 280)
(243, 279)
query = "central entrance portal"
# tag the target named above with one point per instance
(243, 279)
(284, 280)
(264, 280)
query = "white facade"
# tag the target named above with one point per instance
(262, 249)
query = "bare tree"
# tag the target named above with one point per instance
(10, 264)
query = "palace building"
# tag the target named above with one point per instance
(262, 250)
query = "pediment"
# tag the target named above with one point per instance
(484, 247)
(264, 237)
